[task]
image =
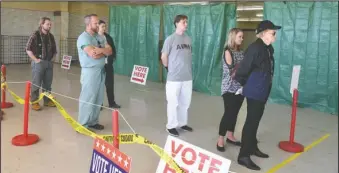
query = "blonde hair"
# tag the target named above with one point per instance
(230, 42)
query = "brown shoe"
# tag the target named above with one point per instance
(49, 104)
(36, 107)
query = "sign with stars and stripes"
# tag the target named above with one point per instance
(107, 159)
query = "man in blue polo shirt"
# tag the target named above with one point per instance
(92, 49)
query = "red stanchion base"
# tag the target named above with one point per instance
(7, 105)
(22, 140)
(291, 147)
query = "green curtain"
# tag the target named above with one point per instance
(309, 37)
(135, 31)
(207, 26)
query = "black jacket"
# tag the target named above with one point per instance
(112, 57)
(255, 72)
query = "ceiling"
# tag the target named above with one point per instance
(250, 11)
(246, 11)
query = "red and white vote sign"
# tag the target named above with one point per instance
(192, 158)
(66, 62)
(107, 159)
(139, 74)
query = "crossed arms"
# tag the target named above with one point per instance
(96, 52)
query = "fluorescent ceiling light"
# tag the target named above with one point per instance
(259, 15)
(249, 8)
(189, 3)
(256, 19)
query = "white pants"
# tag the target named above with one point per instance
(178, 95)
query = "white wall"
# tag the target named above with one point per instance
(77, 26)
(19, 22)
(249, 37)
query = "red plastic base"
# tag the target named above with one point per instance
(7, 105)
(22, 140)
(291, 147)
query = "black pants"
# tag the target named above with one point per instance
(109, 82)
(232, 105)
(249, 142)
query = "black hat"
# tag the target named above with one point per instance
(266, 24)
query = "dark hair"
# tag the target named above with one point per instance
(178, 18)
(101, 22)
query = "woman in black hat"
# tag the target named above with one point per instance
(255, 74)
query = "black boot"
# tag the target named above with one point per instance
(248, 163)
(258, 153)
(115, 106)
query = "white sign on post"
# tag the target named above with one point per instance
(192, 158)
(66, 62)
(139, 74)
(295, 78)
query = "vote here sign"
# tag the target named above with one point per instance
(139, 74)
(107, 159)
(192, 159)
(66, 62)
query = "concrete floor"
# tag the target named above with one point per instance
(63, 150)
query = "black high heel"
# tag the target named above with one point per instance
(221, 149)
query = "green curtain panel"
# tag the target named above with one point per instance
(207, 26)
(309, 37)
(135, 31)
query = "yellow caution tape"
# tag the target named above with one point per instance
(3, 84)
(19, 99)
(136, 138)
(123, 138)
